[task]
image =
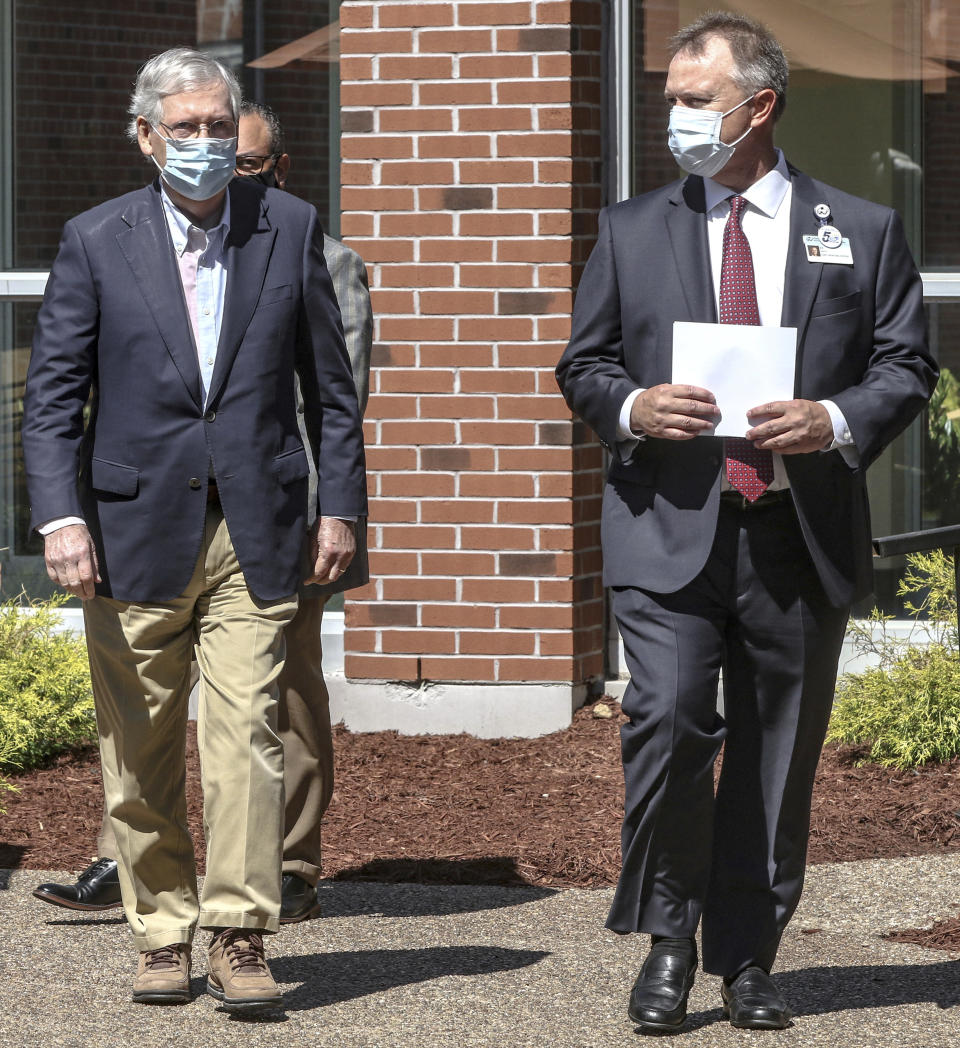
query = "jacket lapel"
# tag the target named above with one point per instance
(802, 278)
(687, 232)
(248, 249)
(146, 246)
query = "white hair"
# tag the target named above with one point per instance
(179, 69)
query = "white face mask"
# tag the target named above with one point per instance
(694, 139)
(198, 168)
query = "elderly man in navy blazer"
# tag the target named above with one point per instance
(186, 312)
(743, 554)
(304, 710)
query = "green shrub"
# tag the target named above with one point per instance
(5, 786)
(46, 704)
(907, 709)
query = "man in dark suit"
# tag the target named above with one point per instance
(742, 554)
(189, 310)
(304, 710)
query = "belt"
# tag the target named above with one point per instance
(213, 495)
(767, 500)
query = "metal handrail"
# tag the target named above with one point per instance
(947, 538)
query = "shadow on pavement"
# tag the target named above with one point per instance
(815, 991)
(491, 869)
(331, 978)
(819, 991)
(11, 855)
(81, 920)
(424, 899)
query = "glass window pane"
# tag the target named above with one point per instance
(21, 562)
(915, 485)
(872, 103)
(72, 73)
(941, 451)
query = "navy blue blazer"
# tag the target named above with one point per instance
(862, 343)
(113, 326)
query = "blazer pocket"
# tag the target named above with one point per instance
(291, 466)
(275, 294)
(642, 472)
(831, 306)
(114, 477)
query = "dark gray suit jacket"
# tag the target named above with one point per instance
(114, 323)
(861, 343)
(349, 276)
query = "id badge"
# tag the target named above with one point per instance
(817, 251)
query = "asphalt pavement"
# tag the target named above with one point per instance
(410, 966)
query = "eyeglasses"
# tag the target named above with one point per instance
(184, 129)
(249, 164)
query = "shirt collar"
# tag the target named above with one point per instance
(766, 194)
(179, 224)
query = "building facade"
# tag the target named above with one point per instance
(464, 148)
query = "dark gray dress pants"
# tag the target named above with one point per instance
(736, 860)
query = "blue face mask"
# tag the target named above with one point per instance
(198, 168)
(694, 139)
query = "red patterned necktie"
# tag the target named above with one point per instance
(749, 469)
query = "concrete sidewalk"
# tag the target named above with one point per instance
(405, 966)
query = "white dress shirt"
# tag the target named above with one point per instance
(203, 276)
(766, 224)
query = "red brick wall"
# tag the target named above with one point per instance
(471, 153)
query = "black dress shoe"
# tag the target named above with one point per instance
(658, 1002)
(97, 888)
(752, 1001)
(298, 900)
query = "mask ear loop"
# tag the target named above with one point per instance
(740, 139)
(728, 112)
(739, 105)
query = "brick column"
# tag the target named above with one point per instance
(471, 174)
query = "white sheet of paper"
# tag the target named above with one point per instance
(743, 366)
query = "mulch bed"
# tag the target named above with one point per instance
(456, 809)
(452, 809)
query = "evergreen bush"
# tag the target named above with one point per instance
(46, 704)
(907, 709)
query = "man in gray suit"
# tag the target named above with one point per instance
(740, 554)
(304, 712)
(304, 702)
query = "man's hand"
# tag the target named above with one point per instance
(332, 546)
(674, 412)
(72, 560)
(791, 427)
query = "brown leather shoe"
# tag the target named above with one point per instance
(163, 975)
(238, 973)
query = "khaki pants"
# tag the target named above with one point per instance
(304, 730)
(307, 742)
(140, 656)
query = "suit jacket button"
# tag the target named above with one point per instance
(210, 416)
(195, 483)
